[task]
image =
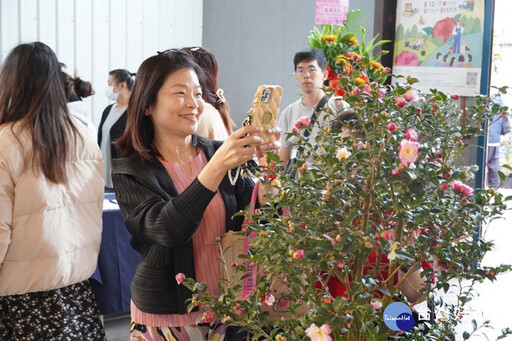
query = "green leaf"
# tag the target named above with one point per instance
(417, 188)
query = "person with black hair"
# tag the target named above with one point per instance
(215, 122)
(51, 203)
(113, 119)
(76, 89)
(310, 73)
(175, 196)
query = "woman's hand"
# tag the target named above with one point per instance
(241, 146)
(273, 146)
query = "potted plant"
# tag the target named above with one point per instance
(382, 212)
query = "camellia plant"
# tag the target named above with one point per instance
(383, 210)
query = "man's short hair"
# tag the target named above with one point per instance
(310, 54)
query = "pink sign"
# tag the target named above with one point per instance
(331, 11)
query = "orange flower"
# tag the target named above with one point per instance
(329, 38)
(361, 80)
(347, 69)
(333, 84)
(375, 64)
(353, 41)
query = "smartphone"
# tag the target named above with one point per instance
(265, 108)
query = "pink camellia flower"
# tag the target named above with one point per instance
(233, 265)
(269, 299)
(408, 152)
(443, 187)
(238, 309)
(367, 89)
(391, 127)
(411, 135)
(386, 234)
(376, 305)
(299, 254)
(208, 316)
(303, 121)
(400, 102)
(411, 95)
(382, 92)
(417, 111)
(462, 188)
(319, 334)
(180, 278)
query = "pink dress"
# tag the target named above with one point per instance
(206, 253)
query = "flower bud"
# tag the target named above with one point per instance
(391, 127)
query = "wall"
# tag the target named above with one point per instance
(93, 37)
(255, 42)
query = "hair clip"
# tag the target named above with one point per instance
(220, 96)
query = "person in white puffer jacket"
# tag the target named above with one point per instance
(51, 195)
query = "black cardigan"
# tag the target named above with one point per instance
(115, 132)
(162, 224)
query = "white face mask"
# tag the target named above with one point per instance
(111, 95)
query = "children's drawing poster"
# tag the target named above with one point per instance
(440, 43)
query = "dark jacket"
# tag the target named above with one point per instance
(115, 131)
(162, 224)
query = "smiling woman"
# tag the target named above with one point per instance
(174, 195)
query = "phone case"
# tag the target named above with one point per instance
(265, 108)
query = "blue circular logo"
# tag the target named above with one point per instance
(398, 316)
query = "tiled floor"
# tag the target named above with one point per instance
(493, 302)
(117, 327)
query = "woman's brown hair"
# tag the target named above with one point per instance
(32, 93)
(138, 136)
(208, 63)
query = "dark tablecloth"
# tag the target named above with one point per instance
(116, 263)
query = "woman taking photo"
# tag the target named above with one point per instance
(175, 197)
(51, 201)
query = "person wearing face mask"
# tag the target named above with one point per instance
(113, 119)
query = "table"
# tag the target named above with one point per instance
(116, 262)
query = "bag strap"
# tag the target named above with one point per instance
(314, 117)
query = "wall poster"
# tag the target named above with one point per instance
(332, 12)
(440, 43)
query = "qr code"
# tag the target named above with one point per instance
(471, 78)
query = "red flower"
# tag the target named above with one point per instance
(299, 254)
(391, 127)
(340, 92)
(400, 102)
(330, 75)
